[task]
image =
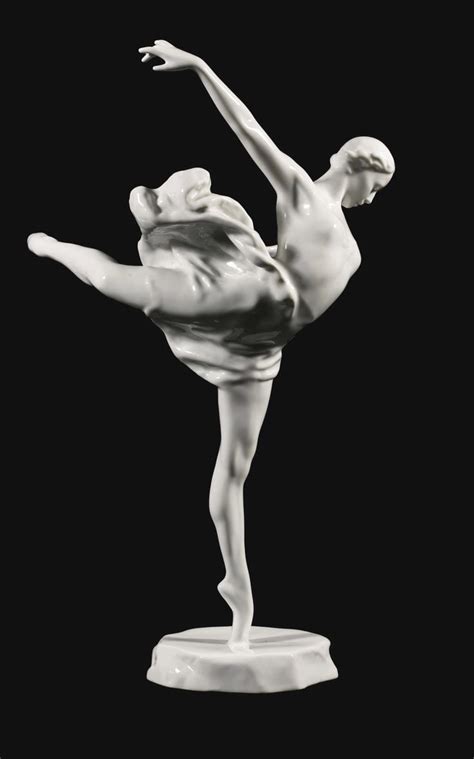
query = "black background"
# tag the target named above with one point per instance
(114, 441)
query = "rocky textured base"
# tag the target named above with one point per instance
(277, 660)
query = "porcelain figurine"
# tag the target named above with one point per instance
(227, 304)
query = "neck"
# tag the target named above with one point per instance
(334, 184)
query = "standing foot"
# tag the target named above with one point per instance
(238, 594)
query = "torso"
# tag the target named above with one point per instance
(316, 247)
(248, 307)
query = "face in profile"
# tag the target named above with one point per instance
(362, 187)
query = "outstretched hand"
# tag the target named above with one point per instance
(174, 58)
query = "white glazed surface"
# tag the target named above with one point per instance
(277, 660)
(227, 302)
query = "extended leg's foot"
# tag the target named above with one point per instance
(40, 243)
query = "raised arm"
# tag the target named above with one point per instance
(284, 174)
(280, 170)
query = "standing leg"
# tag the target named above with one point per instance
(242, 409)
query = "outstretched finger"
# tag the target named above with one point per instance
(148, 49)
(147, 57)
(160, 67)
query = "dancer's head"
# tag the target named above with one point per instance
(367, 166)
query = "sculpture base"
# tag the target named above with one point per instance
(277, 660)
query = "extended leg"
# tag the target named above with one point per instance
(133, 285)
(242, 409)
(153, 289)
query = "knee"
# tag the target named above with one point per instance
(236, 463)
(100, 278)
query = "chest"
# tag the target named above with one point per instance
(316, 247)
(320, 254)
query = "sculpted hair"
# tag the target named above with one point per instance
(362, 160)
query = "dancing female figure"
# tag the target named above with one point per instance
(226, 302)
